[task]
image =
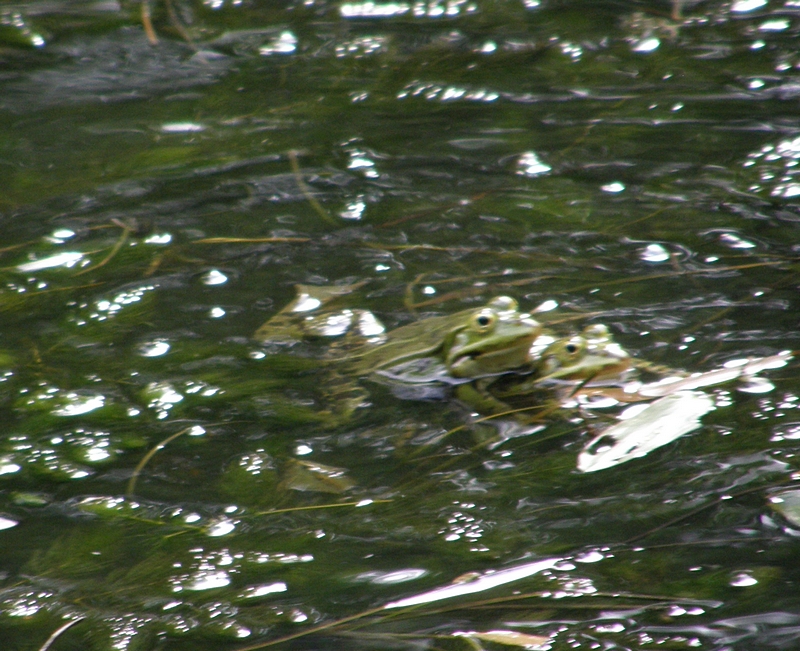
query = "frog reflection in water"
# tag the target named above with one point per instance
(457, 349)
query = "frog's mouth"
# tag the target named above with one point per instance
(485, 361)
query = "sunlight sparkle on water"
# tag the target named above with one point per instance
(353, 211)
(373, 9)
(214, 277)
(530, 165)
(647, 45)
(743, 580)
(181, 127)
(742, 6)
(155, 348)
(221, 528)
(159, 238)
(735, 242)
(261, 590)
(7, 467)
(66, 259)
(654, 253)
(6, 523)
(80, 405)
(396, 576)
(208, 581)
(546, 306)
(306, 303)
(286, 43)
(774, 25)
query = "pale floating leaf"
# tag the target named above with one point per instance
(787, 503)
(509, 638)
(659, 423)
(480, 583)
(736, 369)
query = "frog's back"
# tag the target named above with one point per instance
(424, 338)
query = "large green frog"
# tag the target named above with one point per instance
(482, 343)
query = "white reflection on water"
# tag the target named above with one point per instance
(80, 405)
(373, 9)
(181, 127)
(743, 580)
(361, 46)
(777, 167)
(397, 576)
(286, 43)
(65, 259)
(214, 277)
(445, 93)
(742, 6)
(530, 165)
(154, 348)
(261, 590)
(654, 253)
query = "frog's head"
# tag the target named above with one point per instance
(591, 355)
(495, 339)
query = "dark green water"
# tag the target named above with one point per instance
(639, 169)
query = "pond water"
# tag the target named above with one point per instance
(168, 482)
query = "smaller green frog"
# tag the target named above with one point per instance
(591, 358)
(588, 357)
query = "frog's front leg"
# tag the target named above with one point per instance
(476, 394)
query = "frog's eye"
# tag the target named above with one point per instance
(575, 346)
(484, 320)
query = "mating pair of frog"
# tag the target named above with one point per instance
(488, 355)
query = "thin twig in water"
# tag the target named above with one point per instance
(138, 470)
(250, 240)
(177, 24)
(309, 631)
(59, 631)
(126, 231)
(319, 506)
(298, 176)
(147, 23)
(712, 503)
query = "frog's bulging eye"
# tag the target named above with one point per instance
(574, 347)
(484, 320)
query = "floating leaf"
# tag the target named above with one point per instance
(509, 638)
(659, 423)
(736, 369)
(480, 583)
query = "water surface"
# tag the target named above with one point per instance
(634, 161)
